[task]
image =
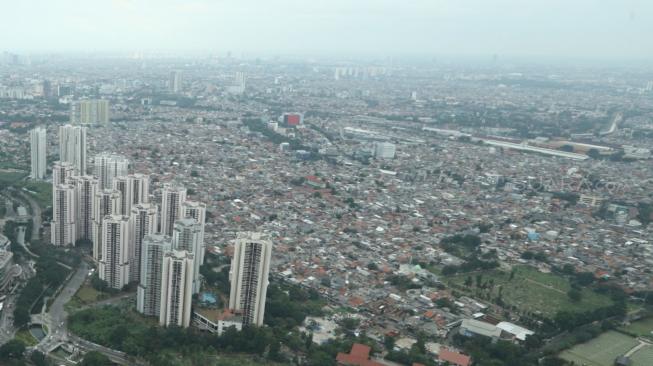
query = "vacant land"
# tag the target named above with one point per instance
(9, 177)
(40, 191)
(643, 357)
(642, 328)
(529, 290)
(601, 351)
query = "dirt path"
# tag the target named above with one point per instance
(545, 286)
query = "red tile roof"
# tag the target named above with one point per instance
(359, 356)
(454, 357)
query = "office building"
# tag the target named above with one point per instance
(172, 196)
(72, 147)
(106, 202)
(114, 264)
(85, 191)
(148, 300)
(249, 272)
(176, 288)
(175, 82)
(38, 152)
(62, 228)
(109, 166)
(61, 171)
(186, 236)
(197, 211)
(92, 112)
(142, 222)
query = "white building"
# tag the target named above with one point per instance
(249, 272)
(114, 265)
(62, 229)
(197, 210)
(109, 166)
(38, 152)
(85, 191)
(72, 147)
(176, 288)
(142, 222)
(384, 150)
(172, 196)
(175, 83)
(134, 189)
(105, 203)
(92, 111)
(61, 171)
(186, 236)
(148, 300)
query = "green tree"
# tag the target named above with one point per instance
(575, 295)
(12, 350)
(38, 359)
(94, 358)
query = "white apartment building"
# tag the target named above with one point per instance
(176, 288)
(249, 272)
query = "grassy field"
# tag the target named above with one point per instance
(601, 351)
(84, 296)
(27, 338)
(532, 290)
(9, 177)
(40, 191)
(643, 328)
(643, 357)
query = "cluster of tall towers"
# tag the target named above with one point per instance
(112, 210)
(133, 241)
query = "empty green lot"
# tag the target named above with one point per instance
(533, 291)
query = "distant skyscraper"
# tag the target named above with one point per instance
(93, 111)
(176, 288)
(106, 203)
(175, 83)
(249, 272)
(39, 152)
(134, 189)
(197, 210)
(62, 228)
(109, 166)
(61, 171)
(72, 147)
(148, 301)
(238, 85)
(186, 236)
(142, 222)
(172, 196)
(114, 265)
(85, 191)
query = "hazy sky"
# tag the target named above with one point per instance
(558, 28)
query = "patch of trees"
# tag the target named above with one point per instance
(49, 276)
(566, 320)
(460, 245)
(255, 125)
(471, 264)
(538, 256)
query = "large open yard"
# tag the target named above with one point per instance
(532, 290)
(40, 191)
(603, 350)
(600, 351)
(642, 328)
(10, 177)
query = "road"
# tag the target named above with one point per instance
(613, 126)
(55, 318)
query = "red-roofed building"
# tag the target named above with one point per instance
(359, 356)
(455, 358)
